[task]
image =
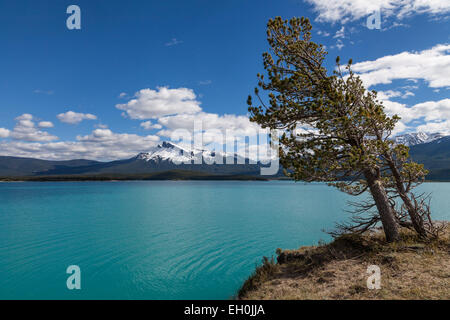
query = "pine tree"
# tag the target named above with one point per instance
(335, 131)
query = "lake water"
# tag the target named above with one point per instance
(158, 239)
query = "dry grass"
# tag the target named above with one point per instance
(410, 269)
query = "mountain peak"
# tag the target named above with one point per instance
(168, 151)
(165, 151)
(166, 144)
(415, 138)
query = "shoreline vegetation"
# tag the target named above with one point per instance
(163, 175)
(172, 175)
(410, 269)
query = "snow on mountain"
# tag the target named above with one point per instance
(171, 152)
(412, 139)
(166, 151)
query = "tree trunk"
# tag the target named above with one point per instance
(381, 199)
(416, 219)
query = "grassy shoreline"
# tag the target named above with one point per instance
(164, 175)
(410, 269)
(158, 176)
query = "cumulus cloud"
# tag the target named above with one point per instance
(214, 128)
(25, 130)
(344, 11)
(107, 137)
(45, 124)
(4, 133)
(177, 111)
(430, 110)
(152, 104)
(101, 144)
(435, 115)
(75, 117)
(385, 95)
(26, 118)
(432, 127)
(208, 121)
(148, 125)
(431, 65)
(173, 109)
(400, 127)
(105, 144)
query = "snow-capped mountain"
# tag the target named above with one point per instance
(171, 152)
(167, 151)
(164, 158)
(412, 139)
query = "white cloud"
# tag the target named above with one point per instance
(148, 125)
(4, 133)
(45, 124)
(101, 144)
(407, 94)
(215, 128)
(432, 65)
(344, 11)
(107, 145)
(25, 130)
(386, 95)
(208, 121)
(75, 117)
(152, 104)
(339, 44)
(173, 108)
(395, 25)
(434, 114)
(340, 33)
(107, 136)
(323, 33)
(432, 127)
(178, 109)
(25, 116)
(400, 127)
(432, 110)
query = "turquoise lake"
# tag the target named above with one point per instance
(158, 239)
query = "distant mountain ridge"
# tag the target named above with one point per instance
(164, 157)
(435, 156)
(412, 139)
(17, 166)
(164, 161)
(430, 149)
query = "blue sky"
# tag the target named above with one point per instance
(190, 60)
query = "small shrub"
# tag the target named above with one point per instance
(261, 274)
